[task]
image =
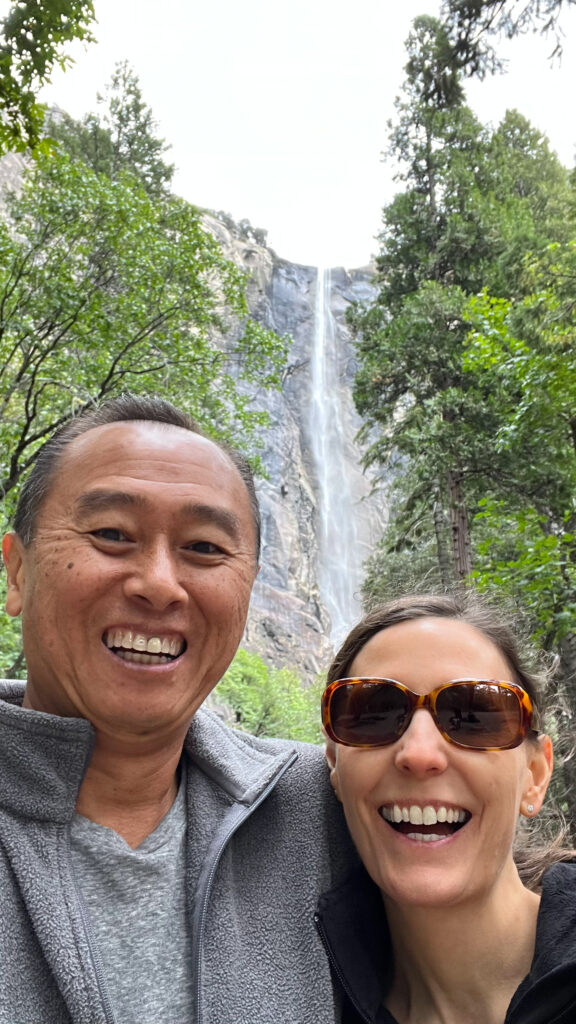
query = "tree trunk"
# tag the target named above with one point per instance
(440, 527)
(461, 548)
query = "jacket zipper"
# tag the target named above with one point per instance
(92, 946)
(204, 897)
(325, 942)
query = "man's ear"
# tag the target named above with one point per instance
(13, 554)
(540, 766)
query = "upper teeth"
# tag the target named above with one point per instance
(426, 815)
(130, 641)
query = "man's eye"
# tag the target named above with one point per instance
(205, 547)
(109, 533)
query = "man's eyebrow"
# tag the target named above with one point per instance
(228, 521)
(102, 500)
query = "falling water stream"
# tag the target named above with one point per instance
(340, 558)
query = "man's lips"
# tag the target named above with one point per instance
(143, 648)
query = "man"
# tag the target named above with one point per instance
(155, 867)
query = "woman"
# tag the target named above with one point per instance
(431, 723)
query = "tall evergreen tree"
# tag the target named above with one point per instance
(474, 203)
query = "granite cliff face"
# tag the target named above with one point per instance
(319, 520)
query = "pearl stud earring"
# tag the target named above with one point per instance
(530, 808)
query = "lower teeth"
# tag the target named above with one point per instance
(141, 658)
(425, 837)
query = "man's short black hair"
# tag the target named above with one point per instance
(126, 407)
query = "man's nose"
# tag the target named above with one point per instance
(156, 578)
(422, 750)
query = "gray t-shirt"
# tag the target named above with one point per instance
(137, 906)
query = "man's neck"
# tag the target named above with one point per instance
(129, 791)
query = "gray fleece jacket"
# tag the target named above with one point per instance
(265, 838)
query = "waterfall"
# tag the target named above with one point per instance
(340, 552)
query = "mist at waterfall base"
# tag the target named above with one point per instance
(339, 544)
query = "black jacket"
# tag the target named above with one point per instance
(352, 923)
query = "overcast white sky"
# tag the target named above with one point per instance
(277, 111)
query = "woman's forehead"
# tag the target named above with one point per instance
(432, 648)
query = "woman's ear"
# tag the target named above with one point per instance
(540, 766)
(329, 750)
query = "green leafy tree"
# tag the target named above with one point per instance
(527, 352)
(120, 138)
(466, 375)
(270, 702)
(33, 37)
(102, 290)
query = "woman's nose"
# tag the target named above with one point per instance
(421, 750)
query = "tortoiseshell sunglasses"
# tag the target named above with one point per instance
(480, 714)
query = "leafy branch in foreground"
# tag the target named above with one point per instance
(32, 39)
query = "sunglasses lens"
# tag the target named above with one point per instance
(482, 714)
(368, 714)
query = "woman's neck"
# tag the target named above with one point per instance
(461, 963)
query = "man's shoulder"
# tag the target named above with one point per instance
(12, 690)
(210, 738)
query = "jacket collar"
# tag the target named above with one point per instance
(43, 758)
(551, 983)
(353, 927)
(352, 923)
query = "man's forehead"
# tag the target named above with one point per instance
(145, 437)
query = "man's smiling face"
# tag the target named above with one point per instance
(135, 589)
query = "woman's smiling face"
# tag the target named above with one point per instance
(462, 805)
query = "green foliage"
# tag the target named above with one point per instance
(32, 40)
(103, 290)
(11, 660)
(521, 557)
(526, 354)
(270, 702)
(430, 68)
(121, 138)
(466, 418)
